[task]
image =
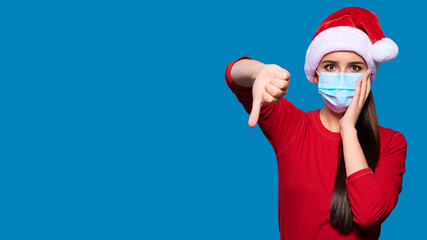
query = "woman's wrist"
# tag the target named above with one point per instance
(256, 70)
(348, 130)
(244, 71)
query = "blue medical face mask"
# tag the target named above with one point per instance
(337, 89)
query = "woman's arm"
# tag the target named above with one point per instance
(373, 196)
(353, 154)
(269, 83)
(278, 127)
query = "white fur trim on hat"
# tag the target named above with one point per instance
(341, 38)
(384, 50)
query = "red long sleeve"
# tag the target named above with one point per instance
(307, 157)
(373, 196)
(278, 133)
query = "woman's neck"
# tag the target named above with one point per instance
(330, 119)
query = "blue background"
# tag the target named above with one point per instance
(117, 122)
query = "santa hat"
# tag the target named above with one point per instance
(350, 29)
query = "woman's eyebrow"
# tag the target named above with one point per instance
(350, 63)
(329, 61)
(356, 63)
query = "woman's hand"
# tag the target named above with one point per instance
(270, 85)
(363, 88)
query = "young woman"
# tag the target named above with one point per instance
(340, 173)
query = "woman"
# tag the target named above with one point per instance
(340, 173)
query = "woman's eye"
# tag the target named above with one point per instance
(330, 67)
(355, 68)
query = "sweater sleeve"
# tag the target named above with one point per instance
(372, 196)
(277, 121)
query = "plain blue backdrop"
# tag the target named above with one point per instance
(117, 122)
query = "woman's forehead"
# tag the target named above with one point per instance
(342, 56)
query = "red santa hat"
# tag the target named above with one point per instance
(350, 29)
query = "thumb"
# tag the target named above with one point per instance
(256, 108)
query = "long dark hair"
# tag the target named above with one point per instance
(368, 134)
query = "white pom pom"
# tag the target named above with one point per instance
(384, 50)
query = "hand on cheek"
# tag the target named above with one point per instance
(363, 88)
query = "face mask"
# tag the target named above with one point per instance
(337, 89)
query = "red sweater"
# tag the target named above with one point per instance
(307, 158)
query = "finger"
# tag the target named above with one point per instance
(284, 75)
(357, 91)
(273, 90)
(270, 99)
(280, 83)
(253, 117)
(363, 89)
